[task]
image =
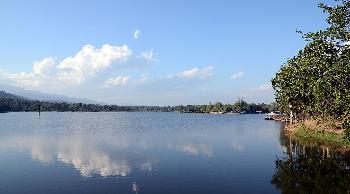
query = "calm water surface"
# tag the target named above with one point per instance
(161, 153)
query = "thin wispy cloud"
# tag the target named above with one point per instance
(264, 87)
(201, 73)
(125, 81)
(136, 34)
(117, 81)
(148, 55)
(237, 75)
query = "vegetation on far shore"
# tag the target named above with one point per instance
(13, 103)
(315, 84)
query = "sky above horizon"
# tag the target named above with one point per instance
(152, 52)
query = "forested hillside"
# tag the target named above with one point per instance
(13, 103)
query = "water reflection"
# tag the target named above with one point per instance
(115, 148)
(135, 187)
(88, 155)
(137, 153)
(104, 155)
(310, 167)
(195, 149)
(238, 147)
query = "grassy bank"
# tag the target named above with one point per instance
(303, 131)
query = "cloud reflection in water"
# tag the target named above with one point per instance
(104, 155)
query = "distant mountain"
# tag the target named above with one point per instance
(36, 95)
(7, 95)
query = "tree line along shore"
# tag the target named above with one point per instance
(314, 85)
(13, 103)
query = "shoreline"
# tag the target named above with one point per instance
(229, 113)
(329, 137)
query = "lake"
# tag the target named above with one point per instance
(162, 153)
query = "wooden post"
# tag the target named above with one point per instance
(291, 114)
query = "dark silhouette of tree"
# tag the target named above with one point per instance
(312, 168)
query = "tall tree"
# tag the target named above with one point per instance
(317, 79)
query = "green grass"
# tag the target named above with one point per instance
(327, 137)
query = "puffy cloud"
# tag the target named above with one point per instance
(117, 81)
(136, 34)
(42, 73)
(200, 73)
(44, 67)
(87, 64)
(90, 61)
(237, 75)
(25, 79)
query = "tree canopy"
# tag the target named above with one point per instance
(317, 79)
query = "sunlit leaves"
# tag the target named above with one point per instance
(317, 79)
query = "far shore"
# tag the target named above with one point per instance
(211, 113)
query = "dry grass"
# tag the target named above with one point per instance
(317, 125)
(326, 131)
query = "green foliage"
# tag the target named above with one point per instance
(240, 105)
(317, 79)
(12, 103)
(346, 127)
(321, 135)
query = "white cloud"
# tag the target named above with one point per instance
(264, 87)
(4, 75)
(237, 75)
(149, 55)
(88, 64)
(136, 34)
(42, 72)
(25, 79)
(90, 61)
(117, 81)
(44, 67)
(200, 73)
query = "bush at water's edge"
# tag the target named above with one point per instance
(318, 132)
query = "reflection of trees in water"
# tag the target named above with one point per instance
(312, 168)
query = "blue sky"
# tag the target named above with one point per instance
(184, 52)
